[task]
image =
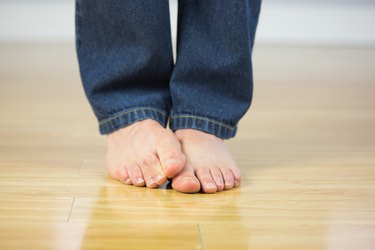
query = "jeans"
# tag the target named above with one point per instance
(125, 56)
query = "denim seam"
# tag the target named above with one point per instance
(130, 111)
(206, 119)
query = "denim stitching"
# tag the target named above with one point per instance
(205, 119)
(130, 111)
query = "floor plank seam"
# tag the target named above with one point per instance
(200, 237)
(71, 209)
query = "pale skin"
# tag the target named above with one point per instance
(146, 154)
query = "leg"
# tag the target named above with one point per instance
(211, 86)
(125, 57)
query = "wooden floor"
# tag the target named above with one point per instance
(306, 150)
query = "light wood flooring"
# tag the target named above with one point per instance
(306, 149)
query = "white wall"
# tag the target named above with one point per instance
(332, 22)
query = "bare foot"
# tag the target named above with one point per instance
(209, 165)
(144, 153)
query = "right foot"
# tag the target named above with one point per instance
(209, 165)
(144, 153)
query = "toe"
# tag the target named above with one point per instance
(123, 175)
(237, 183)
(205, 178)
(228, 178)
(171, 158)
(218, 178)
(237, 177)
(135, 175)
(151, 172)
(114, 170)
(236, 174)
(186, 182)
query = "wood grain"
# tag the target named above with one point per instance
(306, 150)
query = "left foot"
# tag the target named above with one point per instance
(209, 165)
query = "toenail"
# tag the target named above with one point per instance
(170, 163)
(158, 178)
(139, 180)
(190, 179)
(127, 181)
(210, 186)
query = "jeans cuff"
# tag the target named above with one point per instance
(208, 125)
(127, 117)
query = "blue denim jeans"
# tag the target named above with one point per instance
(126, 63)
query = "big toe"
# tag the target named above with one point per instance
(171, 158)
(186, 182)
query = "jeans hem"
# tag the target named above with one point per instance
(208, 125)
(130, 116)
